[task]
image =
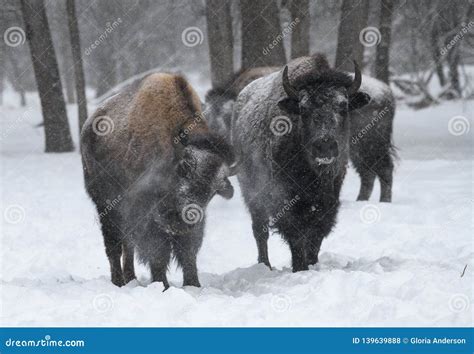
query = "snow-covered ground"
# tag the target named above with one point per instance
(397, 264)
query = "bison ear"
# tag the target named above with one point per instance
(358, 100)
(289, 105)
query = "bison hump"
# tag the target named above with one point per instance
(164, 104)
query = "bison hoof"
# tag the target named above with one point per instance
(118, 281)
(300, 268)
(192, 283)
(129, 277)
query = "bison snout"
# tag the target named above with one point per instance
(325, 149)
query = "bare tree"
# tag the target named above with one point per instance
(2, 70)
(382, 56)
(437, 29)
(77, 58)
(300, 17)
(362, 17)
(15, 74)
(45, 65)
(56, 12)
(106, 56)
(221, 41)
(353, 19)
(262, 38)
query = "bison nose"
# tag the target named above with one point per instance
(326, 148)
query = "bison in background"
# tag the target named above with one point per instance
(371, 148)
(151, 166)
(220, 100)
(292, 129)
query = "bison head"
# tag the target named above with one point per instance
(204, 164)
(322, 101)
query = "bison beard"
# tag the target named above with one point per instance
(162, 177)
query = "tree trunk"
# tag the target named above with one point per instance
(3, 63)
(454, 57)
(221, 41)
(106, 65)
(45, 65)
(382, 55)
(77, 59)
(362, 17)
(16, 75)
(345, 38)
(435, 34)
(262, 38)
(68, 80)
(300, 17)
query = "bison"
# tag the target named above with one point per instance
(151, 166)
(292, 131)
(220, 100)
(371, 148)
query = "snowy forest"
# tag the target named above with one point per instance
(371, 225)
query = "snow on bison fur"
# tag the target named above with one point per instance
(371, 148)
(292, 130)
(151, 166)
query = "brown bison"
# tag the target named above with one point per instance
(151, 166)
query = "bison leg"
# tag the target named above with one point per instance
(113, 247)
(298, 253)
(260, 232)
(384, 170)
(313, 247)
(186, 254)
(367, 179)
(128, 266)
(159, 251)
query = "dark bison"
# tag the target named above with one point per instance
(293, 133)
(371, 149)
(151, 166)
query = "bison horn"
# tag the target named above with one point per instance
(290, 91)
(357, 79)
